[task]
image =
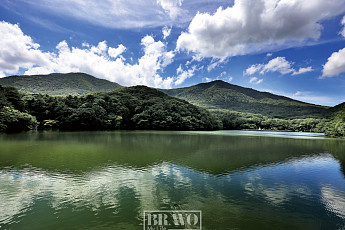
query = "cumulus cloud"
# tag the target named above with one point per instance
(115, 52)
(166, 32)
(172, 7)
(278, 64)
(253, 69)
(255, 80)
(18, 50)
(257, 25)
(335, 64)
(182, 75)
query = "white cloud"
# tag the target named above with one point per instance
(117, 14)
(335, 64)
(166, 32)
(214, 63)
(298, 93)
(268, 54)
(255, 80)
(85, 44)
(19, 51)
(115, 52)
(253, 69)
(278, 64)
(100, 49)
(172, 7)
(230, 79)
(257, 25)
(303, 70)
(182, 75)
(207, 79)
(343, 30)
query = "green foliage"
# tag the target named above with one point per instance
(59, 84)
(222, 95)
(12, 120)
(238, 120)
(141, 107)
(336, 127)
(9, 96)
(138, 107)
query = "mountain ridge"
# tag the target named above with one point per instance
(211, 95)
(223, 95)
(59, 84)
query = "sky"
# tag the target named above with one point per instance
(294, 48)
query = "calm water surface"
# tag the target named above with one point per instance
(105, 180)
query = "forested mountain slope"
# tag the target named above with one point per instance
(58, 84)
(222, 95)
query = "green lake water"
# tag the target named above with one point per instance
(106, 180)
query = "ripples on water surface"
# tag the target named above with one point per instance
(105, 180)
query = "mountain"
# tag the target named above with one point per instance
(212, 95)
(58, 84)
(338, 108)
(222, 95)
(137, 107)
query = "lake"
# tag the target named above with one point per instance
(106, 180)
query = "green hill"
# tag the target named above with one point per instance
(137, 107)
(213, 95)
(338, 108)
(58, 84)
(336, 126)
(222, 95)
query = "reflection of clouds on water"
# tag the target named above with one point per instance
(334, 200)
(94, 190)
(313, 163)
(275, 194)
(17, 194)
(169, 186)
(279, 189)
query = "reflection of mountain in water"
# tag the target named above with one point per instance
(109, 178)
(216, 154)
(337, 148)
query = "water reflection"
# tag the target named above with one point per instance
(107, 180)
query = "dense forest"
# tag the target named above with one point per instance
(212, 95)
(222, 95)
(137, 107)
(332, 125)
(140, 107)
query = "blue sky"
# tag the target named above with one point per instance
(294, 48)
